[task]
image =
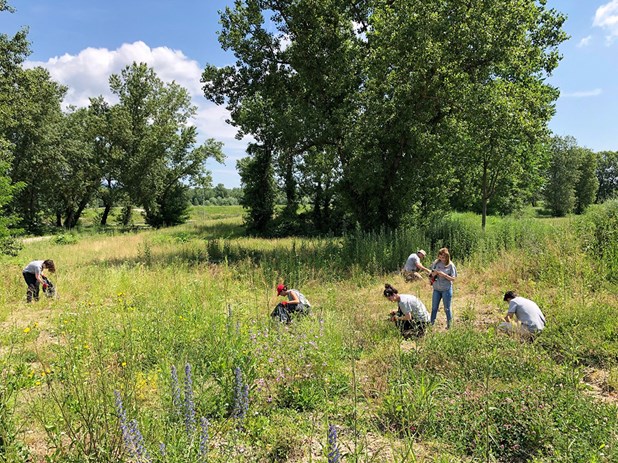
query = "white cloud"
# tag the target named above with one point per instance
(606, 17)
(87, 75)
(584, 42)
(583, 94)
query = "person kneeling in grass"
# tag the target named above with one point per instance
(530, 319)
(296, 303)
(411, 317)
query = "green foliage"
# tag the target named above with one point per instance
(134, 305)
(365, 109)
(587, 185)
(65, 238)
(258, 197)
(607, 175)
(599, 231)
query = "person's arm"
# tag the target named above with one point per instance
(39, 277)
(509, 316)
(446, 275)
(295, 299)
(422, 267)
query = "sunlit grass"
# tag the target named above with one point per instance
(133, 305)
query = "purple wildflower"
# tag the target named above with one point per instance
(131, 435)
(333, 447)
(241, 395)
(138, 443)
(122, 416)
(204, 440)
(162, 449)
(189, 403)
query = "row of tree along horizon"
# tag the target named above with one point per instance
(376, 113)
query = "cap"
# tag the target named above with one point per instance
(422, 252)
(280, 289)
(509, 295)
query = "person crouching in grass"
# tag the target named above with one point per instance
(530, 319)
(411, 317)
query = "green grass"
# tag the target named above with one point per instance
(133, 306)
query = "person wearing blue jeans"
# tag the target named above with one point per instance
(443, 273)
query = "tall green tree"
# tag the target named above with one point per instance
(562, 176)
(256, 176)
(160, 155)
(382, 89)
(36, 140)
(587, 185)
(607, 175)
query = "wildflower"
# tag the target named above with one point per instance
(189, 404)
(204, 440)
(131, 434)
(241, 395)
(138, 441)
(27, 329)
(162, 449)
(333, 447)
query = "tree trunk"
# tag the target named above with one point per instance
(105, 215)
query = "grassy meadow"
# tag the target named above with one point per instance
(160, 348)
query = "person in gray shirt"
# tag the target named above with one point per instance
(33, 275)
(530, 319)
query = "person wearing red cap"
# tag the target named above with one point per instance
(296, 301)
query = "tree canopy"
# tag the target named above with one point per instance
(373, 110)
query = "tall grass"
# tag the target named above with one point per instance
(135, 308)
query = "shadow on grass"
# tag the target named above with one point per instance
(216, 230)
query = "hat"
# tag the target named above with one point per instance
(422, 252)
(280, 289)
(509, 295)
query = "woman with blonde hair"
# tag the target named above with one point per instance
(443, 273)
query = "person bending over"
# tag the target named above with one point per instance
(411, 316)
(412, 268)
(33, 274)
(530, 319)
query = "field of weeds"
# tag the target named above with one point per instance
(160, 348)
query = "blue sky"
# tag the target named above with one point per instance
(82, 42)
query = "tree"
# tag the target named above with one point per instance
(587, 185)
(159, 149)
(377, 90)
(7, 189)
(36, 140)
(256, 175)
(562, 175)
(607, 175)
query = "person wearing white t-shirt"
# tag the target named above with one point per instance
(530, 318)
(411, 317)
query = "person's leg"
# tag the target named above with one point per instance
(447, 297)
(33, 286)
(435, 304)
